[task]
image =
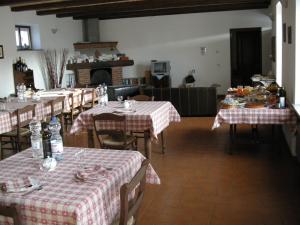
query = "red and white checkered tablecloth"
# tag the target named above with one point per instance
(63, 200)
(8, 119)
(255, 116)
(65, 92)
(149, 115)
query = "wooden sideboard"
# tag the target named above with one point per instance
(193, 101)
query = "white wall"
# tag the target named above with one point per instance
(68, 32)
(178, 38)
(7, 39)
(289, 65)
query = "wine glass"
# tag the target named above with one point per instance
(120, 98)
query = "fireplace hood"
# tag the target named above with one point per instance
(91, 40)
(90, 29)
(93, 47)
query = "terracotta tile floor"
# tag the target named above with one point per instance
(203, 185)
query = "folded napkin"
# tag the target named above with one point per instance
(17, 185)
(90, 173)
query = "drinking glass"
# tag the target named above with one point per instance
(2, 106)
(80, 159)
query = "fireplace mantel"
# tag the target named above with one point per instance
(99, 65)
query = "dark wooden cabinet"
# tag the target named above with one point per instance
(25, 77)
(197, 101)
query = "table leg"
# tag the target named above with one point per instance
(147, 143)
(90, 134)
(232, 131)
(163, 142)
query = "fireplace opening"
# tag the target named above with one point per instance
(100, 76)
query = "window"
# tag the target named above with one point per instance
(23, 37)
(279, 43)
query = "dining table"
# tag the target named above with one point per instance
(8, 117)
(63, 199)
(150, 117)
(53, 93)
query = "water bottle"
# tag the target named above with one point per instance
(36, 138)
(101, 94)
(56, 139)
(105, 94)
(46, 141)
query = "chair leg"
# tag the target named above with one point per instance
(1, 150)
(62, 126)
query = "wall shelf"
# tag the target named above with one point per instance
(96, 65)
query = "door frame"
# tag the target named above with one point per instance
(235, 30)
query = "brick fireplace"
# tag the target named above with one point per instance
(91, 73)
(85, 76)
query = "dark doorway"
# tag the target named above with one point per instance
(245, 52)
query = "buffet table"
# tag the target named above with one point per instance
(64, 200)
(254, 108)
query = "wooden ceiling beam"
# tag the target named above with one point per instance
(18, 2)
(156, 7)
(147, 4)
(172, 11)
(67, 4)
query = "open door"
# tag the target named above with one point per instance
(246, 55)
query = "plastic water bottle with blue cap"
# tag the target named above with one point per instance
(36, 138)
(57, 147)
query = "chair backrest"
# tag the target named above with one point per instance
(10, 211)
(110, 124)
(88, 92)
(57, 106)
(142, 98)
(25, 115)
(71, 101)
(130, 207)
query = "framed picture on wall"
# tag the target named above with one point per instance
(290, 34)
(284, 32)
(1, 52)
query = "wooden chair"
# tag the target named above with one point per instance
(141, 134)
(74, 110)
(91, 102)
(130, 207)
(114, 137)
(11, 212)
(15, 136)
(57, 109)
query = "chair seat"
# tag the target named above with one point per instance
(13, 133)
(75, 112)
(117, 141)
(87, 105)
(130, 221)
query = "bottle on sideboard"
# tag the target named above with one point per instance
(281, 95)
